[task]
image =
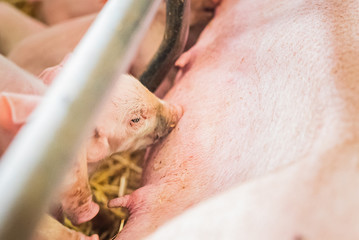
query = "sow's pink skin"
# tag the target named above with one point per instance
(267, 83)
(291, 203)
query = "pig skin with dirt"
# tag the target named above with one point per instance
(291, 203)
(267, 83)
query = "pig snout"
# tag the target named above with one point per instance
(176, 112)
(168, 119)
(83, 213)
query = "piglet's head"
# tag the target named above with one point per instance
(133, 119)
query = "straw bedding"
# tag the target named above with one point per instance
(116, 176)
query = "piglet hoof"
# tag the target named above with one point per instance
(85, 213)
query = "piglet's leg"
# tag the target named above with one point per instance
(76, 197)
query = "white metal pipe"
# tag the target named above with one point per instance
(39, 155)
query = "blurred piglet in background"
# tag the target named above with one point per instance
(20, 93)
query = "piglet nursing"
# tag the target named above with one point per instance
(132, 119)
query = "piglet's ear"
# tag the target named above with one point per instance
(15, 108)
(97, 148)
(50, 73)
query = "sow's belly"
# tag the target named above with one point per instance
(264, 85)
(257, 91)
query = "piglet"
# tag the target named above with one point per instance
(132, 119)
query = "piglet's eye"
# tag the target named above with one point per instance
(135, 120)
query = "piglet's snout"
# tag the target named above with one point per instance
(172, 115)
(177, 112)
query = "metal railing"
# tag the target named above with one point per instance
(172, 45)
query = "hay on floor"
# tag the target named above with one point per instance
(116, 176)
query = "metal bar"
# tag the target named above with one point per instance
(172, 45)
(39, 155)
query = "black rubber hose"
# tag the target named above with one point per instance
(172, 45)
